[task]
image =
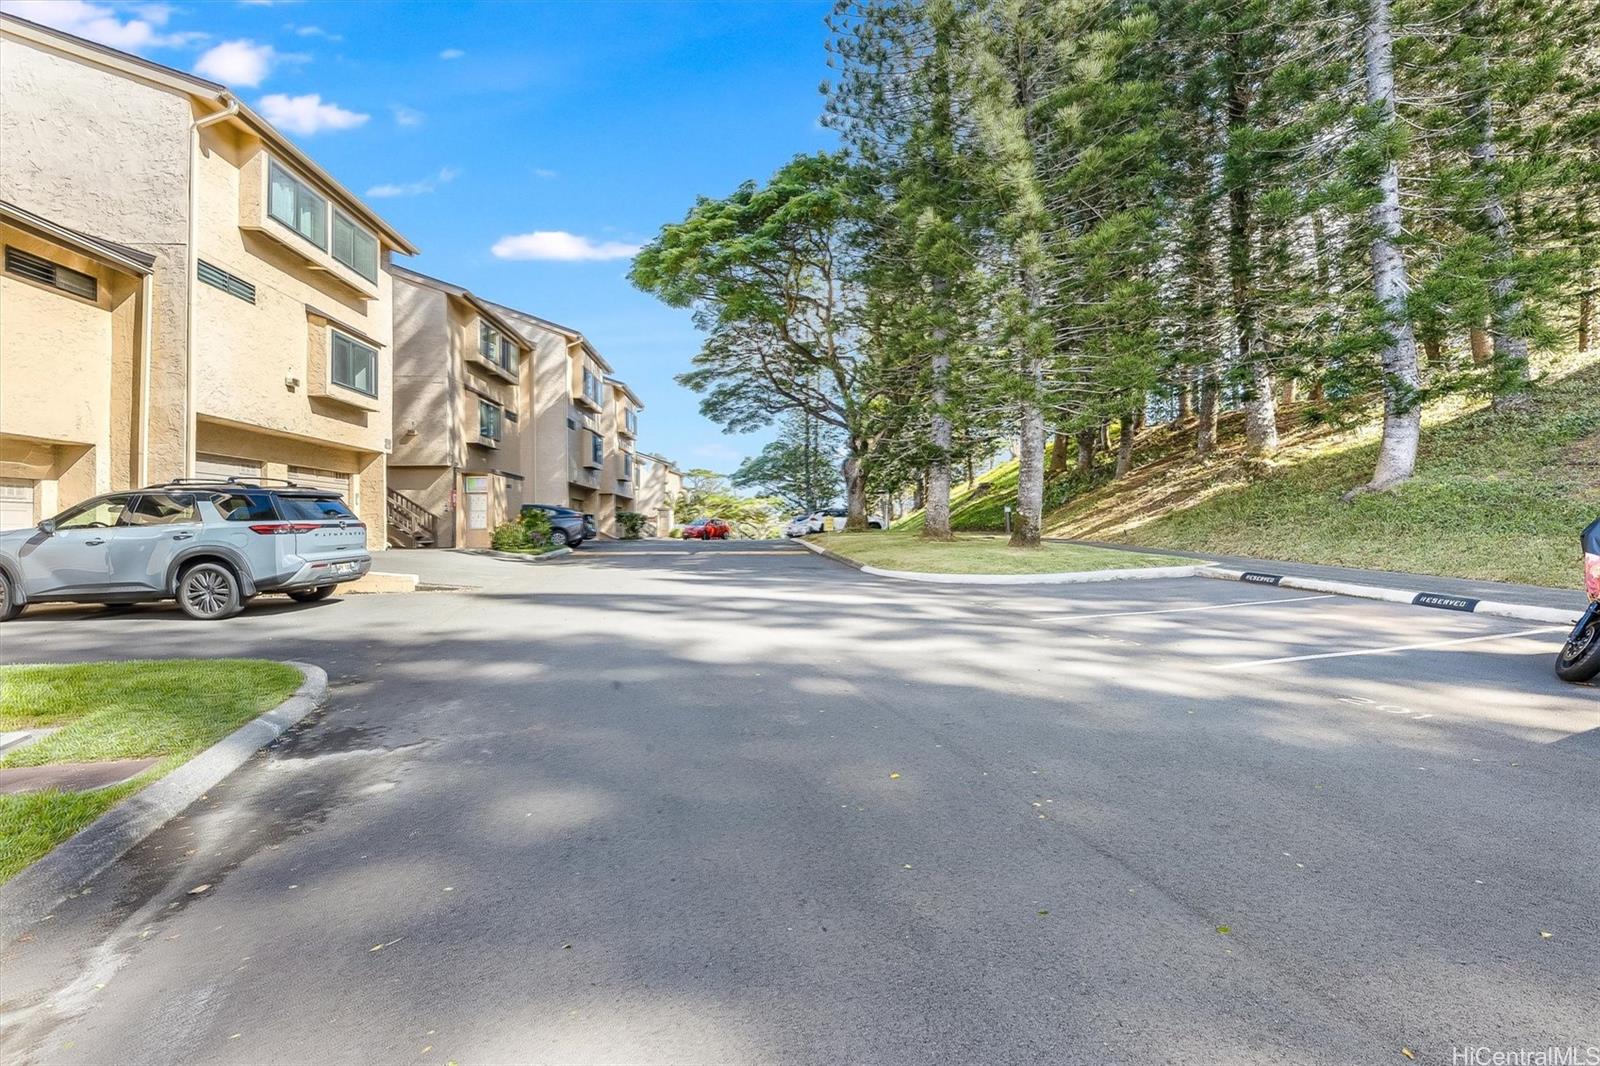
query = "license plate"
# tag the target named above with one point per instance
(345, 568)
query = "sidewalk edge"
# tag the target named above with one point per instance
(36, 891)
(1411, 597)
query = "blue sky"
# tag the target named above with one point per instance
(560, 134)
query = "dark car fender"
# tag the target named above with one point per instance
(241, 567)
(19, 594)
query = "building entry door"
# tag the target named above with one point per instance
(477, 489)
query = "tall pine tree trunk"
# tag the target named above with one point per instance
(1205, 434)
(1261, 414)
(1185, 406)
(1029, 517)
(1058, 452)
(1125, 445)
(1482, 350)
(936, 513)
(1086, 439)
(855, 484)
(1402, 416)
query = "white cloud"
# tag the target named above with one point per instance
(406, 116)
(560, 246)
(414, 188)
(240, 62)
(314, 31)
(544, 172)
(308, 114)
(101, 23)
(451, 53)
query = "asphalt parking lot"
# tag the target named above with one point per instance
(733, 802)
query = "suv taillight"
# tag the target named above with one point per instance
(1591, 575)
(272, 529)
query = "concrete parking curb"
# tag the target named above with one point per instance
(1414, 597)
(1069, 577)
(516, 557)
(37, 891)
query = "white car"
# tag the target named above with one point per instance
(833, 518)
(798, 526)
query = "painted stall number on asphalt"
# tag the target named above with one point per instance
(1386, 708)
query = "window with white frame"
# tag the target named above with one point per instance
(355, 365)
(591, 385)
(627, 466)
(597, 449)
(297, 205)
(489, 420)
(630, 419)
(354, 246)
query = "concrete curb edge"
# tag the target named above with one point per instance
(1069, 577)
(515, 557)
(1411, 597)
(36, 891)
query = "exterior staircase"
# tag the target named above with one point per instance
(411, 525)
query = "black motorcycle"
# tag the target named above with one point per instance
(1580, 657)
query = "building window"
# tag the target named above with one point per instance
(592, 388)
(630, 419)
(627, 465)
(597, 449)
(355, 365)
(488, 421)
(27, 265)
(355, 247)
(508, 354)
(295, 204)
(231, 284)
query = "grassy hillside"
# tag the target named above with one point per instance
(1497, 496)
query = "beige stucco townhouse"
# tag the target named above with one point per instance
(566, 452)
(74, 352)
(462, 381)
(660, 483)
(618, 478)
(266, 350)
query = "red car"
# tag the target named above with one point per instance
(707, 529)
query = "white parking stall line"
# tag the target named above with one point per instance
(1181, 610)
(1392, 648)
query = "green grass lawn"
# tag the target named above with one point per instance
(170, 710)
(980, 554)
(1498, 496)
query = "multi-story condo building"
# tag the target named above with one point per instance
(462, 379)
(567, 449)
(239, 317)
(494, 408)
(659, 485)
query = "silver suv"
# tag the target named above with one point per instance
(210, 545)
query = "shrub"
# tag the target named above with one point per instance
(537, 525)
(511, 537)
(631, 523)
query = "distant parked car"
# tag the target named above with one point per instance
(211, 545)
(798, 526)
(707, 529)
(568, 528)
(831, 518)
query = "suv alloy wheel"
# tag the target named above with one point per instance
(209, 591)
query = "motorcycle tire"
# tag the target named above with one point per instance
(1579, 659)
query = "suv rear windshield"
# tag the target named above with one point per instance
(313, 508)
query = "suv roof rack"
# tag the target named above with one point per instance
(227, 482)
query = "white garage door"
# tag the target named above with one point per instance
(16, 503)
(223, 467)
(327, 480)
